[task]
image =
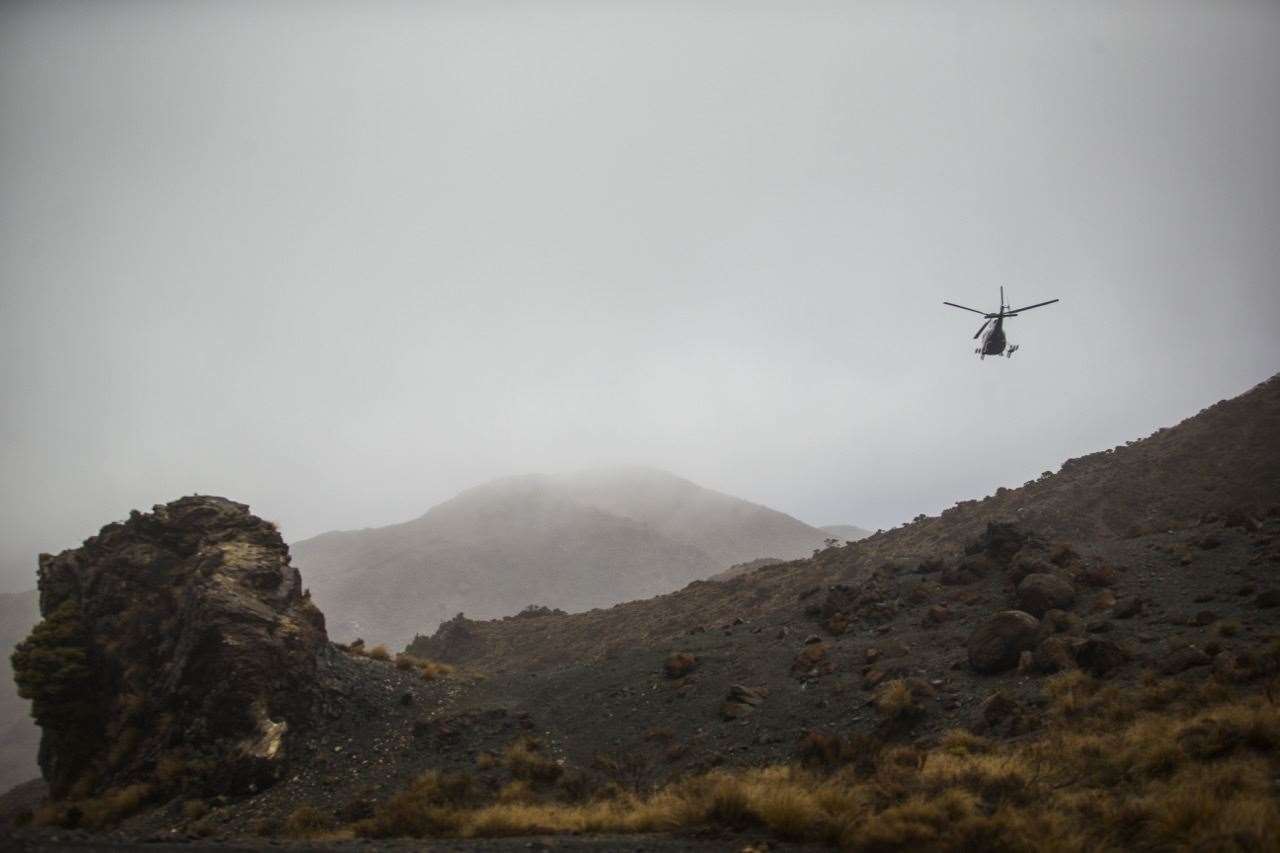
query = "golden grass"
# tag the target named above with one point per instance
(379, 652)
(525, 759)
(306, 822)
(431, 670)
(109, 808)
(1195, 774)
(895, 701)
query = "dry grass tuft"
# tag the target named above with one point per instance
(525, 759)
(1187, 775)
(379, 652)
(109, 808)
(307, 822)
(895, 700)
(431, 670)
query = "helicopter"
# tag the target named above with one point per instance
(993, 342)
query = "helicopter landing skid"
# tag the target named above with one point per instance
(1011, 351)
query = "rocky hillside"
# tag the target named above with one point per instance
(1224, 461)
(1068, 658)
(573, 543)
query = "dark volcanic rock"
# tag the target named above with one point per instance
(1100, 657)
(1268, 599)
(1039, 593)
(1128, 608)
(1055, 654)
(177, 650)
(1182, 659)
(997, 643)
(1000, 542)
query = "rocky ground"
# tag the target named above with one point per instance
(1182, 603)
(767, 667)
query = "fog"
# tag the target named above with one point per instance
(341, 261)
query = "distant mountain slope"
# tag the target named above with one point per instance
(725, 528)
(1221, 462)
(19, 735)
(846, 532)
(577, 542)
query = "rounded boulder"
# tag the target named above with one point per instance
(997, 643)
(1040, 592)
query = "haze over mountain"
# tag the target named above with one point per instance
(846, 532)
(574, 542)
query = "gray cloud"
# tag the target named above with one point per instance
(343, 260)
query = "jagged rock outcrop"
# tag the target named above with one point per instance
(178, 651)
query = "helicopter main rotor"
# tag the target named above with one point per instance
(1003, 314)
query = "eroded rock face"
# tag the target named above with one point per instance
(177, 650)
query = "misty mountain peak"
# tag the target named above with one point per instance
(592, 538)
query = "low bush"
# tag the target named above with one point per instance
(431, 670)
(525, 759)
(895, 701)
(307, 822)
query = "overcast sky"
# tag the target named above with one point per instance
(341, 261)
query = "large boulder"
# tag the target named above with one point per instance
(1039, 593)
(996, 644)
(1000, 542)
(178, 651)
(1100, 657)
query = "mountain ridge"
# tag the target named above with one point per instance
(577, 541)
(1223, 459)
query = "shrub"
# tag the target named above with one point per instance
(114, 805)
(194, 809)
(379, 652)
(525, 760)
(51, 668)
(964, 742)
(515, 791)
(430, 806)
(895, 701)
(306, 821)
(431, 670)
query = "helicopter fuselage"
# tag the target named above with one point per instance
(993, 340)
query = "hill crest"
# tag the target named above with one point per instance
(578, 541)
